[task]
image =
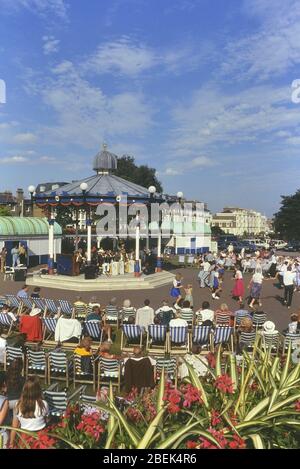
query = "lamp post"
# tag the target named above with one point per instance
(152, 190)
(137, 247)
(51, 222)
(31, 190)
(84, 187)
(180, 197)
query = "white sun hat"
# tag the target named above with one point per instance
(35, 312)
(269, 326)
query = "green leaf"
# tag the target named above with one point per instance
(161, 391)
(151, 429)
(183, 431)
(195, 381)
(111, 436)
(257, 441)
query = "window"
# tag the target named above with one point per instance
(42, 188)
(55, 186)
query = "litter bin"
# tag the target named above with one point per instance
(90, 272)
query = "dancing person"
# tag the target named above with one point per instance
(238, 289)
(255, 287)
(177, 286)
(289, 278)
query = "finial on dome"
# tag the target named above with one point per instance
(104, 146)
(105, 161)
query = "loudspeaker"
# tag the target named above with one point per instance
(20, 275)
(90, 272)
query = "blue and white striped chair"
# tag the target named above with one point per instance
(59, 367)
(49, 325)
(6, 322)
(27, 303)
(109, 371)
(14, 302)
(157, 339)
(94, 330)
(11, 354)
(188, 315)
(201, 335)
(271, 342)
(79, 311)
(223, 335)
(259, 319)
(81, 376)
(179, 340)
(247, 340)
(36, 364)
(39, 303)
(65, 307)
(290, 339)
(112, 315)
(51, 306)
(131, 336)
(57, 402)
(126, 313)
(169, 366)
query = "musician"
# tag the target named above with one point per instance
(78, 260)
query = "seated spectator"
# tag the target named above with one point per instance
(93, 302)
(144, 315)
(80, 306)
(111, 309)
(3, 343)
(186, 312)
(6, 310)
(241, 313)
(15, 382)
(205, 313)
(269, 329)
(23, 293)
(97, 315)
(223, 316)
(165, 313)
(104, 351)
(67, 330)
(31, 325)
(127, 310)
(31, 411)
(178, 321)
(84, 350)
(293, 326)
(246, 325)
(4, 409)
(36, 293)
(139, 371)
(198, 362)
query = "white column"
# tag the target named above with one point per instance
(159, 263)
(51, 243)
(89, 241)
(137, 248)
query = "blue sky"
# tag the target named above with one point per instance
(199, 89)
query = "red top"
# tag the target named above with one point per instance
(32, 327)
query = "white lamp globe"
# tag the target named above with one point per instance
(179, 195)
(83, 186)
(31, 189)
(152, 189)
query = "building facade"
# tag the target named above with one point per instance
(241, 221)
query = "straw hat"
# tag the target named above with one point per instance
(269, 326)
(35, 312)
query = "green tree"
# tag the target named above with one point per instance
(4, 212)
(64, 216)
(287, 219)
(217, 231)
(142, 175)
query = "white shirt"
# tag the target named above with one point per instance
(66, 329)
(206, 266)
(144, 316)
(178, 323)
(198, 363)
(164, 308)
(206, 315)
(2, 349)
(257, 278)
(38, 422)
(289, 278)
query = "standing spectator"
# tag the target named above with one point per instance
(15, 256)
(3, 255)
(22, 255)
(31, 411)
(145, 315)
(289, 278)
(255, 287)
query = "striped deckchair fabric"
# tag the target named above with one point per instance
(293, 339)
(51, 306)
(57, 402)
(58, 366)
(169, 365)
(11, 354)
(240, 315)
(65, 307)
(27, 303)
(49, 327)
(271, 341)
(6, 322)
(222, 318)
(259, 319)
(222, 335)
(201, 335)
(126, 313)
(13, 301)
(94, 330)
(112, 314)
(79, 311)
(109, 370)
(187, 314)
(157, 338)
(247, 338)
(36, 363)
(39, 303)
(178, 340)
(131, 334)
(81, 376)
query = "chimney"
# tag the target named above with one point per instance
(20, 195)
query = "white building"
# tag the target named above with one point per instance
(240, 221)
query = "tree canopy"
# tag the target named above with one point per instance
(287, 219)
(142, 175)
(4, 212)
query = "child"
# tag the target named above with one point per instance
(84, 350)
(4, 408)
(189, 295)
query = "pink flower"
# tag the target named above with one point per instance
(224, 384)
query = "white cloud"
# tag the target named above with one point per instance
(273, 49)
(201, 161)
(51, 45)
(42, 7)
(24, 138)
(13, 159)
